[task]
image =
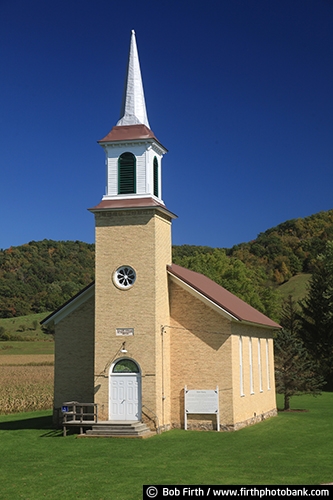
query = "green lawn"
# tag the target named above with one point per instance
(297, 286)
(36, 347)
(37, 462)
(25, 326)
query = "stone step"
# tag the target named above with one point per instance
(119, 429)
(116, 434)
(140, 425)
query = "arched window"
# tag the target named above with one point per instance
(125, 366)
(126, 174)
(156, 190)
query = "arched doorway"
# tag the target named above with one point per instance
(125, 391)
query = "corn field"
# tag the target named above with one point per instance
(26, 387)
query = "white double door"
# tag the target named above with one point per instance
(125, 396)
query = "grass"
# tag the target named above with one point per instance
(23, 348)
(37, 462)
(296, 286)
(25, 326)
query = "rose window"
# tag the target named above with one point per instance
(124, 277)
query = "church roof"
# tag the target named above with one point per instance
(130, 133)
(133, 108)
(228, 302)
(128, 203)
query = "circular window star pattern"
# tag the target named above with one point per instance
(124, 277)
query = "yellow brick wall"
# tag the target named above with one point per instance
(74, 356)
(262, 400)
(200, 353)
(141, 239)
(205, 354)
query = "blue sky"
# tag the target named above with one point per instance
(240, 92)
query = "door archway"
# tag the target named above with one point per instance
(125, 391)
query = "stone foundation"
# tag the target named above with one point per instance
(254, 420)
(208, 423)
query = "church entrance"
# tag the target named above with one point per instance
(125, 391)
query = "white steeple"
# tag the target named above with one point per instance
(133, 153)
(133, 109)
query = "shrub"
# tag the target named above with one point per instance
(3, 335)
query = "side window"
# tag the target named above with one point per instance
(126, 174)
(156, 190)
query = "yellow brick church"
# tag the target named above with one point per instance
(151, 342)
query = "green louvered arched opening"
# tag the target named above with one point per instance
(126, 174)
(156, 190)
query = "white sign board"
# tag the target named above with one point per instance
(201, 402)
(125, 331)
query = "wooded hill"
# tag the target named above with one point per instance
(40, 276)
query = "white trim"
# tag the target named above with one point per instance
(251, 365)
(259, 366)
(132, 196)
(241, 374)
(268, 366)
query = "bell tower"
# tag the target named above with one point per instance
(133, 249)
(133, 154)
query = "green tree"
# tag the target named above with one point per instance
(249, 284)
(317, 315)
(290, 319)
(295, 370)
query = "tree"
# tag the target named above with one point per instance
(295, 370)
(231, 273)
(290, 319)
(317, 315)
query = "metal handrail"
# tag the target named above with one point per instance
(158, 430)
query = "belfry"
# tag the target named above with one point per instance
(149, 342)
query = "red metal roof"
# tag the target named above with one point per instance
(129, 133)
(221, 297)
(125, 203)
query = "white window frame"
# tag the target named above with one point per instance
(268, 366)
(241, 374)
(251, 365)
(259, 366)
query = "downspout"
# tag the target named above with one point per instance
(163, 392)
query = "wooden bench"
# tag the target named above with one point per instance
(77, 414)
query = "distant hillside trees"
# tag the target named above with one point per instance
(40, 276)
(248, 284)
(289, 248)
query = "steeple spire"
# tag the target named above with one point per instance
(133, 109)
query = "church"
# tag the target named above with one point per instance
(150, 341)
